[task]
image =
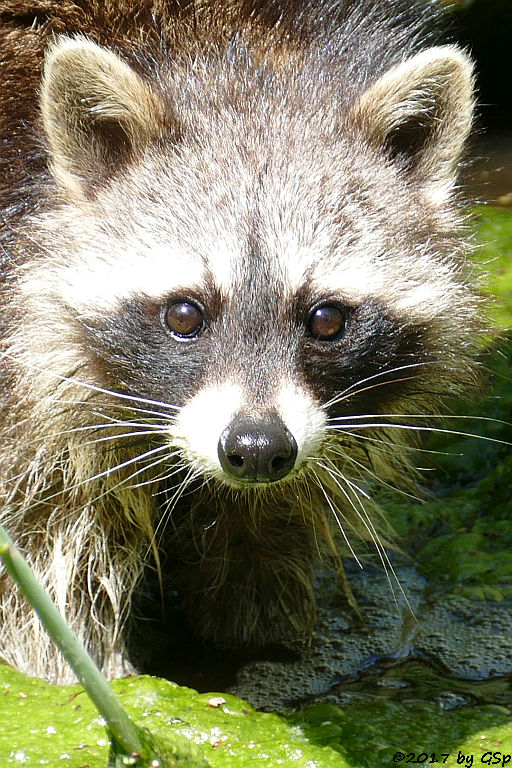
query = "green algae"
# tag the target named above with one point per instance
(58, 725)
(380, 734)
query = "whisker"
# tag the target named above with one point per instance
(122, 465)
(118, 406)
(110, 438)
(337, 513)
(379, 479)
(148, 414)
(140, 427)
(344, 393)
(171, 501)
(426, 416)
(101, 390)
(352, 483)
(158, 478)
(123, 482)
(368, 523)
(391, 446)
(170, 504)
(105, 473)
(385, 560)
(418, 428)
(347, 396)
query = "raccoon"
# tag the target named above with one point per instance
(233, 278)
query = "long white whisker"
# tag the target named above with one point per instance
(391, 447)
(107, 472)
(368, 523)
(151, 413)
(398, 380)
(178, 492)
(102, 390)
(123, 482)
(109, 438)
(357, 488)
(417, 428)
(158, 478)
(426, 416)
(384, 557)
(122, 465)
(376, 477)
(147, 414)
(336, 513)
(344, 393)
(171, 503)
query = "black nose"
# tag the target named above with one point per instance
(260, 451)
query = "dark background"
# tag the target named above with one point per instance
(486, 27)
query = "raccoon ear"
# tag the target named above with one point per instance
(97, 113)
(420, 113)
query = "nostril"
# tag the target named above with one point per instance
(236, 460)
(278, 462)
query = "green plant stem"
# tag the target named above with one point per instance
(122, 729)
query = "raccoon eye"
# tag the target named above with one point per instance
(326, 323)
(184, 319)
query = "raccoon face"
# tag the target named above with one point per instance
(253, 262)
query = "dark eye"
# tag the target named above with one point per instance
(184, 319)
(326, 323)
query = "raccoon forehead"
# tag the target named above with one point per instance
(97, 266)
(102, 282)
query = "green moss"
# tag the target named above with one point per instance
(55, 725)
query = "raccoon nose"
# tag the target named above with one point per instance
(257, 451)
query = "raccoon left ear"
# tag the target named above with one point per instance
(97, 113)
(420, 114)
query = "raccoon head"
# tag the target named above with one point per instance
(259, 247)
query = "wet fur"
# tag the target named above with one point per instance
(97, 467)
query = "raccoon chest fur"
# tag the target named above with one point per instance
(233, 266)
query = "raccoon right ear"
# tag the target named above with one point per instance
(97, 113)
(420, 114)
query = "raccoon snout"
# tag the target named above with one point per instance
(257, 451)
